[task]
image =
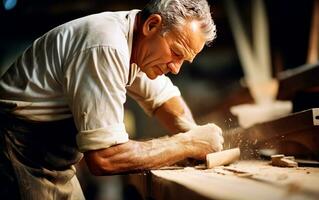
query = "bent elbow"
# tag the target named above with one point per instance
(99, 166)
(95, 170)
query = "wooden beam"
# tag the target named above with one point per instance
(297, 79)
(313, 51)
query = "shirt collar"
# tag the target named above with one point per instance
(134, 69)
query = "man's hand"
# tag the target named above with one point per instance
(205, 139)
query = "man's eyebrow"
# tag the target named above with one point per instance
(187, 55)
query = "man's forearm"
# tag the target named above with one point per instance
(132, 156)
(135, 155)
(175, 115)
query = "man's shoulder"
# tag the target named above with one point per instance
(105, 29)
(101, 29)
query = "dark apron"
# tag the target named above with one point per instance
(37, 159)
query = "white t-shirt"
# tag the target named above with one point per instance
(82, 69)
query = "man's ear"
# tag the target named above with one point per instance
(152, 24)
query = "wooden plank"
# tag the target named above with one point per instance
(297, 79)
(296, 122)
(221, 184)
(306, 179)
(242, 180)
(165, 189)
(300, 129)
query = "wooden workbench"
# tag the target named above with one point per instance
(242, 180)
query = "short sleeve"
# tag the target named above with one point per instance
(150, 94)
(94, 84)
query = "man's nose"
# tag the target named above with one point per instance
(175, 66)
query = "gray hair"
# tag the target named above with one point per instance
(176, 12)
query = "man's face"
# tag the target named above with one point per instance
(160, 54)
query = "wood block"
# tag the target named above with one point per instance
(277, 156)
(290, 158)
(288, 163)
(222, 158)
(283, 161)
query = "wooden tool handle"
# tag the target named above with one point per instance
(222, 158)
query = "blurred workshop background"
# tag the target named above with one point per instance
(210, 85)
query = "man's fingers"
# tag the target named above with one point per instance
(218, 148)
(217, 128)
(219, 139)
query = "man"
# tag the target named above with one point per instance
(65, 94)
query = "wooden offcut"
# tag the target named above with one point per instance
(281, 160)
(225, 157)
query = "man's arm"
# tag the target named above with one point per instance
(175, 115)
(133, 155)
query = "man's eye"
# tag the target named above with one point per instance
(175, 54)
